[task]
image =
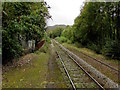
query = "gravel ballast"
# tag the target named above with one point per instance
(101, 78)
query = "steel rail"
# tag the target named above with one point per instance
(66, 71)
(92, 78)
(101, 62)
(112, 68)
(86, 72)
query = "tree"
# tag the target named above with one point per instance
(21, 20)
(97, 27)
(56, 32)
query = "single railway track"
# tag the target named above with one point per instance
(107, 65)
(78, 76)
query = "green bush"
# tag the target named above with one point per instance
(96, 48)
(21, 21)
(44, 49)
(56, 32)
(61, 39)
(77, 44)
(69, 42)
(47, 38)
(11, 49)
(112, 49)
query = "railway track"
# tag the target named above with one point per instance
(78, 76)
(107, 65)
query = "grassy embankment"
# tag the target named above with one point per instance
(30, 75)
(34, 74)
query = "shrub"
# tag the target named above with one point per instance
(56, 32)
(112, 49)
(69, 42)
(95, 47)
(44, 49)
(77, 44)
(11, 49)
(61, 39)
(23, 21)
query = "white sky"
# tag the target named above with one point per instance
(63, 11)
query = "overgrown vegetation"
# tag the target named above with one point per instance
(21, 21)
(97, 28)
(56, 32)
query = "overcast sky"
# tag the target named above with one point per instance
(63, 11)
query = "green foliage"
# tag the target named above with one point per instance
(78, 45)
(112, 49)
(11, 46)
(61, 39)
(21, 21)
(95, 47)
(56, 32)
(68, 33)
(44, 49)
(48, 40)
(69, 41)
(96, 22)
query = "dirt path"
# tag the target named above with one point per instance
(54, 77)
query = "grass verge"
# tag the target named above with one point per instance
(42, 71)
(91, 53)
(28, 76)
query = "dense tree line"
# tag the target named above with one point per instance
(56, 32)
(21, 20)
(97, 27)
